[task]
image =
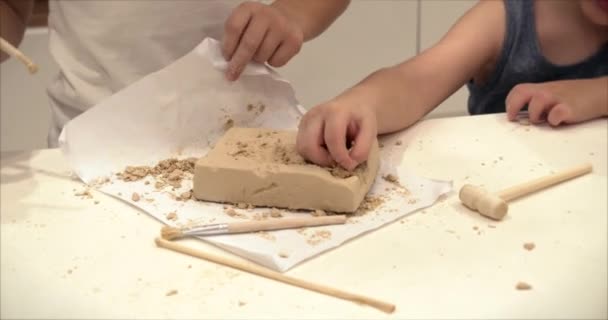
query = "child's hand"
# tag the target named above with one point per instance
(259, 32)
(326, 130)
(560, 102)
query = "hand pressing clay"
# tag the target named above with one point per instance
(261, 167)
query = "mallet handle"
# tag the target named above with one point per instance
(523, 189)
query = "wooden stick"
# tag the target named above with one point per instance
(284, 223)
(270, 274)
(544, 182)
(14, 52)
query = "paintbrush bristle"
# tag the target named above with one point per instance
(170, 233)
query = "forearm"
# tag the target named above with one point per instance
(400, 95)
(600, 99)
(13, 20)
(313, 16)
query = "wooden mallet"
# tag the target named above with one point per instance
(495, 205)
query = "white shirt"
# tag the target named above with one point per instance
(102, 46)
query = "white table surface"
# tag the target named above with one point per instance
(67, 257)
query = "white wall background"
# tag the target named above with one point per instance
(371, 34)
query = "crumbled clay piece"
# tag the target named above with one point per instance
(231, 212)
(529, 246)
(491, 226)
(172, 216)
(523, 286)
(381, 145)
(96, 202)
(241, 205)
(275, 213)
(228, 124)
(318, 237)
(475, 228)
(185, 195)
(283, 254)
(135, 197)
(391, 178)
(267, 235)
(398, 143)
(171, 293)
(242, 303)
(169, 171)
(276, 175)
(86, 193)
(319, 213)
(369, 203)
(147, 182)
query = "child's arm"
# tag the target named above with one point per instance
(560, 102)
(274, 33)
(394, 98)
(14, 15)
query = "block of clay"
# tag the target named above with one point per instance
(261, 167)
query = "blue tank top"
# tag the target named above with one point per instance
(521, 61)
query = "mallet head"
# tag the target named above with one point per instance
(487, 204)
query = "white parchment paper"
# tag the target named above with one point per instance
(179, 112)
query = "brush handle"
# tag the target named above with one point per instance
(270, 274)
(544, 182)
(284, 223)
(14, 52)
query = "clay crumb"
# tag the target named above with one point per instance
(529, 246)
(232, 213)
(381, 145)
(241, 205)
(147, 182)
(523, 286)
(398, 143)
(266, 235)
(475, 228)
(172, 216)
(318, 213)
(391, 178)
(159, 185)
(135, 197)
(242, 303)
(318, 237)
(368, 204)
(185, 196)
(275, 213)
(171, 293)
(491, 226)
(175, 175)
(283, 254)
(189, 266)
(86, 193)
(96, 202)
(228, 124)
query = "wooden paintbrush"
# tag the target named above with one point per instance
(170, 233)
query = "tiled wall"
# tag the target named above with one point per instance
(371, 34)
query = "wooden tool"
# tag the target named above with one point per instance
(495, 205)
(14, 52)
(270, 274)
(171, 233)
